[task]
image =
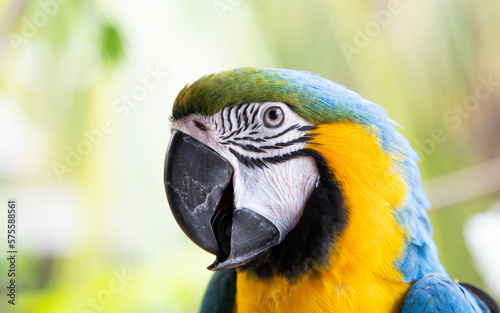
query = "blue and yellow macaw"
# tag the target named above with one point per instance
(307, 195)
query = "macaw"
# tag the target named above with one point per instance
(308, 197)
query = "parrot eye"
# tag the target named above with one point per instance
(274, 117)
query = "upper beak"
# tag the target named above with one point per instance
(198, 183)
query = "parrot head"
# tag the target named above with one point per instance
(269, 169)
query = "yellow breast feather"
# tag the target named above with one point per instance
(361, 275)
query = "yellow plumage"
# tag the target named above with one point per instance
(362, 276)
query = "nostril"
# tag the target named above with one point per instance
(200, 126)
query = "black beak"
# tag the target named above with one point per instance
(252, 234)
(198, 183)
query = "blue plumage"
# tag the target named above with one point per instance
(220, 293)
(437, 293)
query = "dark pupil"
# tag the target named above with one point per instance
(273, 115)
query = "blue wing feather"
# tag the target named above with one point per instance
(221, 292)
(437, 293)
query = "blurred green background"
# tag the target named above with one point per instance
(86, 89)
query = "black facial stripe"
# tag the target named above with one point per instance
(263, 162)
(255, 114)
(228, 136)
(229, 118)
(253, 108)
(245, 115)
(244, 160)
(281, 145)
(222, 118)
(245, 119)
(238, 108)
(283, 132)
(234, 133)
(250, 138)
(306, 128)
(245, 147)
(238, 121)
(238, 131)
(286, 157)
(294, 141)
(271, 147)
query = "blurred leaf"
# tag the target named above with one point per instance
(111, 43)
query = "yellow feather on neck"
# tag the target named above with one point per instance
(361, 276)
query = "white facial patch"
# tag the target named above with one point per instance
(265, 144)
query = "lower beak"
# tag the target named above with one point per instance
(198, 184)
(251, 235)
